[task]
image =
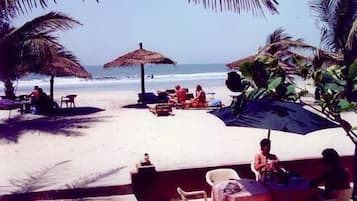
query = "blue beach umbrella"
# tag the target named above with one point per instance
(275, 115)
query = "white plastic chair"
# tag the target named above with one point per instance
(256, 173)
(221, 174)
(341, 195)
(184, 195)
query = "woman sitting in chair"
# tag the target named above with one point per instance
(335, 177)
(200, 98)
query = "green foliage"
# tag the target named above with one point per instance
(345, 105)
(274, 83)
(246, 69)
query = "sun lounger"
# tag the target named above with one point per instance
(150, 97)
(163, 109)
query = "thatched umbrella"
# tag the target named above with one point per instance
(139, 57)
(63, 67)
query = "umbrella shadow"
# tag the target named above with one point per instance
(12, 129)
(136, 106)
(76, 111)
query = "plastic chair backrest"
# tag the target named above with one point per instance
(219, 175)
(256, 173)
(181, 193)
(342, 195)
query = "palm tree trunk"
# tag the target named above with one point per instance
(9, 89)
(51, 87)
(354, 194)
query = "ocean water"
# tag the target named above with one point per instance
(128, 78)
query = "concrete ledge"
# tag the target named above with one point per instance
(128, 197)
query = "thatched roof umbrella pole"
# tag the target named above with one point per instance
(139, 57)
(63, 67)
(142, 76)
(51, 86)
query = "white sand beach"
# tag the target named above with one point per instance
(102, 148)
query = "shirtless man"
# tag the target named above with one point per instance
(265, 161)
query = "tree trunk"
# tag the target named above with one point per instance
(9, 89)
(354, 194)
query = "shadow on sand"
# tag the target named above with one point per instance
(68, 122)
(136, 106)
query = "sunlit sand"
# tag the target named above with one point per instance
(101, 148)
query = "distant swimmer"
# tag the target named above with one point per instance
(151, 76)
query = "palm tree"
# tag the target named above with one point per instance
(282, 49)
(254, 6)
(31, 46)
(338, 23)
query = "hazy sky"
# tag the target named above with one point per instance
(184, 32)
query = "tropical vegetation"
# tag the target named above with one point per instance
(31, 47)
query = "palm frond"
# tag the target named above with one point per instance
(352, 35)
(12, 8)
(48, 23)
(256, 7)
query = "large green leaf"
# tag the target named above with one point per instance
(257, 94)
(344, 105)
(333, 87)
(246, 69)
(290, 89)
(274, 83)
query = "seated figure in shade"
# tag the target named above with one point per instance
(265, 162)
(34, 95)
(179, 97)
(200, 98)
(335, 177)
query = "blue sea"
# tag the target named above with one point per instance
(128, 78)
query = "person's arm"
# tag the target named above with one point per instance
(258, 163)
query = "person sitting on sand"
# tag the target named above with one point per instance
(180, 96)
(335, 177)
(265, 162)
(200, 98)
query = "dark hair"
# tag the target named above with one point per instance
(198, 87)
(331, 157)
(264, 142)
(146, 154)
